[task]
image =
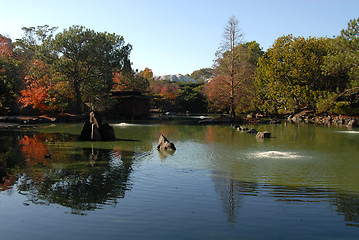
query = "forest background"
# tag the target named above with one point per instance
(53, 73)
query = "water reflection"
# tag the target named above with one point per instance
(275, 155)
(165, 153)
(81, 179)
(258, 184)
(234, 192)
(349, 206)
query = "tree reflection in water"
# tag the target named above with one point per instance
(232, 193)
(86, 178)
(82, 180)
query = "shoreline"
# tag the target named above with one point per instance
(303, 117)
(14, 122)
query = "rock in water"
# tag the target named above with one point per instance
(86, 131)
(263, 134)
(107, 132)
(252, 131)
(164, 144)
(94, 130)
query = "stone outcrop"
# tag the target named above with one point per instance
(164, 144)
(94, 130)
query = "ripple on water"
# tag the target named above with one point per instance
(349, 132)
(276, 154)
(123, 124)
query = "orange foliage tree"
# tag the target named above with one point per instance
(37, 86)
(44, 90)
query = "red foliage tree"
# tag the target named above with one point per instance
(167, 90)
(218, 92)
(6, 47)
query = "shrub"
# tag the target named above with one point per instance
(344, 108)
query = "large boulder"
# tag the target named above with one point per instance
(86, 131)
(107, 132)
(164, 144)
(94, 130)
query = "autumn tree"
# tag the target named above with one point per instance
(164, 94)
(227, 66)
(44, 90)
(41, 88)
(147, 74)
(6, 47)
(237, 93)
(37, 87)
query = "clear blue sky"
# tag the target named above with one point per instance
(180, 36)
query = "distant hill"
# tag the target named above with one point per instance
(176, 78)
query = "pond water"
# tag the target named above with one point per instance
(303, 183)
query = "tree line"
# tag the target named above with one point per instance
(56, 73)
(294, 73)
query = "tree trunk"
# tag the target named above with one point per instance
(77, 97)
(232, 110)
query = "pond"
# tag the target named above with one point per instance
(303, 183)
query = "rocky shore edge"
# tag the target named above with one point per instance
(336, 120)
(303, 117)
